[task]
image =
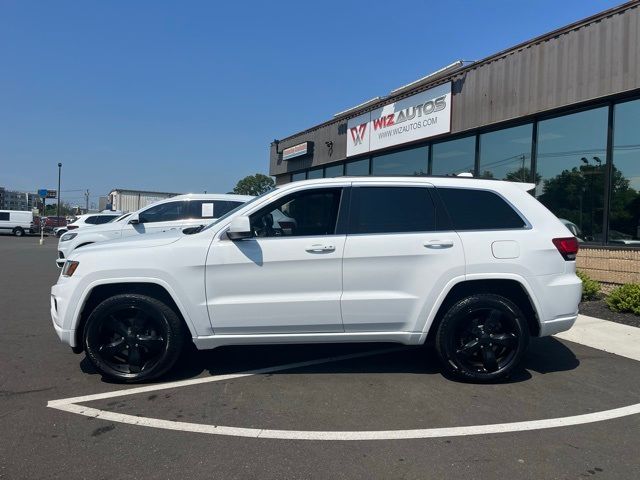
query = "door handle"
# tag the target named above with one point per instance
(319, 248)
(438, 244)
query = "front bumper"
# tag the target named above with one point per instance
(59, 304)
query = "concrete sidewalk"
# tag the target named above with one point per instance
(605, 335)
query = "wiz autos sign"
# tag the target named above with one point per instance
(414, 118)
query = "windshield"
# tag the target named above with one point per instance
(231, 212)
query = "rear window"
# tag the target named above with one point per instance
(211, 208)
(471, 209)
(391, 210)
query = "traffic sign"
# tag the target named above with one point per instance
(42, 192)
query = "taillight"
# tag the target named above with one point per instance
(568, 247)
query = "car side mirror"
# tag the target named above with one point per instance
(134, 219)
(240, 228)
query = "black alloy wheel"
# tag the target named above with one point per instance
(133, 337)
(482, 338)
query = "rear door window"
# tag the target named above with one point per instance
(391, 210)
(211, 208)
(472, 209)
(165, 212)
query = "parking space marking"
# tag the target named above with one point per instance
(72, 405)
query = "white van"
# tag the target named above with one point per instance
(16, 222)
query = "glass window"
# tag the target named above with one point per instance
(478, 210)
(165, 212)
(309, 212)
(210, 208)
(315, 173)
(405, 162)
(104, 219)
(357, 168)
(334, 171)
(456, 156)
(571, 165)
(91, 220)
(506, 154)
(391, 209)
(624, 213)
(298, 176)
(4, 216)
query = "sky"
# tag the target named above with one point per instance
(186, 96)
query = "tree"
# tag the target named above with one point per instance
(254, 185)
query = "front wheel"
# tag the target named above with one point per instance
(482, 338)
(133, 338)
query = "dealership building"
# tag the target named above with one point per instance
(561, 111)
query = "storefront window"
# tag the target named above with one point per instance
(571, 163)
(334, 171)
(315, 173)
(359, 167)
(298, 176)
(624, 216)
(456, 156)
(413, 161)
(506, 154)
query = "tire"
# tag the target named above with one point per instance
(18, 232)
(133, 338)
(482, 338)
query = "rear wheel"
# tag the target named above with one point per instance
(18, 232)
(482, 338)
(133, 338)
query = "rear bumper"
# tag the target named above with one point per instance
(551, 327)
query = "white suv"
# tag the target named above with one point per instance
(171, 214)
(86, 220)
(478, 266)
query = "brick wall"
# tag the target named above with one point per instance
(610, 266)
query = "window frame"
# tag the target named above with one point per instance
(341, 217)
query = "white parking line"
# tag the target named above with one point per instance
(71, 405)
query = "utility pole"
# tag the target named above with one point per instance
(58, 214)
(86, 199)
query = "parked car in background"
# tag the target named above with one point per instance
(173, 213)
(16, 222)
(87, 220)
(478, 266)
(52, 222)
(573, 228)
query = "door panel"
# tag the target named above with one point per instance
(395, 261)
(288, 277)
(275, 285)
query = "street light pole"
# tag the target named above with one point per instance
(59, 172)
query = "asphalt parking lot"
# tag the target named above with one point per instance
(220, 427)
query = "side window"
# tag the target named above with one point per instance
(309, 212)
(479, 210)
(91, 220)
(103, 219)
(4, 216)
(391, 210)
(165, 212)
(210, 208)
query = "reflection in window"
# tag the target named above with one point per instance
(298, 176)
(456, 156)
(571, 162)
(506, 154)
(315, 173)
(334, 171)
(413, 161)
(359, 167)
(624, 213)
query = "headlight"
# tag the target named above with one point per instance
(69, 267)
(68, 236)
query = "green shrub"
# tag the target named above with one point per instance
(590, 288)
(625, 298)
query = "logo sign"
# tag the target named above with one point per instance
(52, 194)
(414, 118)
(42, 192)
(296, 151)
